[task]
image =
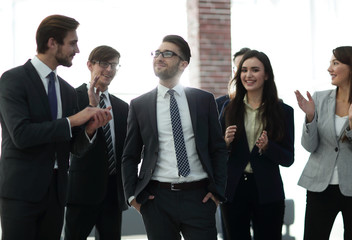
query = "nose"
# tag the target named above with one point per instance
(77, 49)
(329, 69)
(109, 68)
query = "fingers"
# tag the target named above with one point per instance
(309, 96)
(230, 133)
(262, 141)
(206, 198)
(212, 197)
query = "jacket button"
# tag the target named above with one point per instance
(336, 149)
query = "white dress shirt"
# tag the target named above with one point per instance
(43, 72)
(339, 123)
(166, 166)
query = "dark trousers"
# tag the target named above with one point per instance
(173, 212)
(321, 211)
(33, 221)
(105, 216)
(245, 211)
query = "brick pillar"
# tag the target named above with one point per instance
(209, 36)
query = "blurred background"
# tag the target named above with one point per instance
(297, 35)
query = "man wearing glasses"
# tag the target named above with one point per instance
(182, 176)
(95, 192)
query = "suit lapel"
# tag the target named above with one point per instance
(331, 112)
(117, 122)
(150, 107)
(37, 82)
(192, 105)
(64, 99)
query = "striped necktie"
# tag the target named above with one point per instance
(108, 139)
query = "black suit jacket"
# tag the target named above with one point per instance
(88, 174)
(31, 139)
(265, 166)
(142, 134)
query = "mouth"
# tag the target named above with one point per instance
(250, 82)
(106, 75)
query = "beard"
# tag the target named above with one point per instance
(168, 72)
(63, 59)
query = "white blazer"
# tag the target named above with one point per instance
(319, 138)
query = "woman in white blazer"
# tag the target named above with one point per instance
(327, 135)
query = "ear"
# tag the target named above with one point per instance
(90, 65)
(183, 65)
(52, 43)
(266, 77)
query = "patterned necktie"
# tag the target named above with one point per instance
(179, 141)
(108, 139)
(52, 95)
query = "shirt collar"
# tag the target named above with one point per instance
(245, 101)
(106, 92)
(42, 69)
(162, 90)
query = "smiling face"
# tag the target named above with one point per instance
(339, 72)
(253, 75)
(106, 74)
(65, 52)
(169, 69)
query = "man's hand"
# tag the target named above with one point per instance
(212, 197)
(93, 96)
(97, 117)
(101, 118)
(137, 205)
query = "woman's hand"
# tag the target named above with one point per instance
(230, 134)
(307, 106)
(262, 142)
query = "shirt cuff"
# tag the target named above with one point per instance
(69, 126)
(130, 199)
(93, 138)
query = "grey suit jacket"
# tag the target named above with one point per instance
(319, 138)
(142, 135)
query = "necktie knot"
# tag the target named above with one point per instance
(171, 92)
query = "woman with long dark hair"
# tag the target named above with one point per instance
(327, 135)
(259, 132)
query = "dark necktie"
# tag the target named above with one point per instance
(108, 139)
(52, 95)
(179, 141)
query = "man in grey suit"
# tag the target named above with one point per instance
(39, 118)
(183, 173)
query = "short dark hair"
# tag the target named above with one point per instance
(241, 52)
(55, 26)
(103, 53)
(182, 44)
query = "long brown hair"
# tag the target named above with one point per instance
(272, 113)
(344, 55)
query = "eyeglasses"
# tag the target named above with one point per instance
(165, 54)
(107, 64)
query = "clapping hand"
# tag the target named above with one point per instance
(307, 106)
(94, 96)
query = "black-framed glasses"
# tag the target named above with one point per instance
(165, 54)
(103, 64)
